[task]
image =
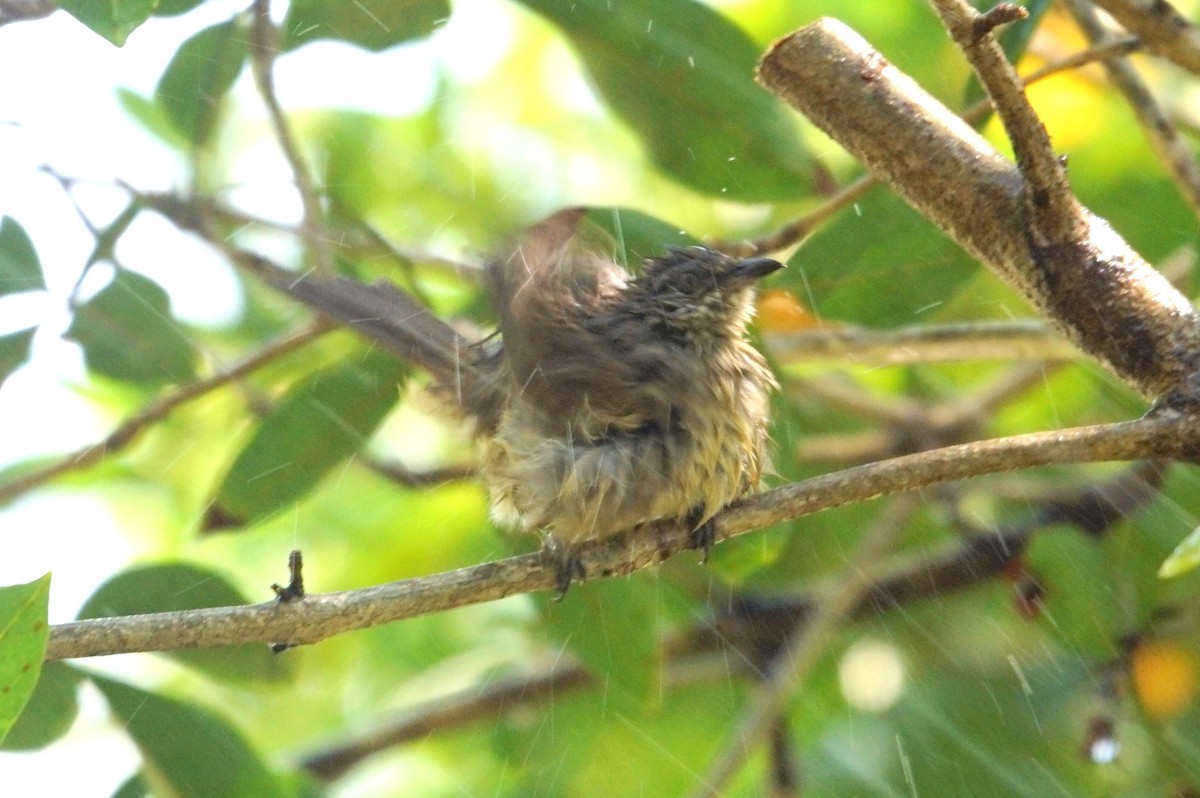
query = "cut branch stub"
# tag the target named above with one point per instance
(1093, 285)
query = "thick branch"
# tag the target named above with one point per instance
(318, 616)
(1108, 300)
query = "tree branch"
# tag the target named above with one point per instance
(752, 628)
(1161, 132)
(1165, 435)
(1027, 339)
(1162, 29)
(1090, 283)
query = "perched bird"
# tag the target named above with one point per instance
(627, 399)
(610, 400)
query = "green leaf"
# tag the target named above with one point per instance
(127, 332)
(171, 8)
(373, 24)
(682, 76)
(192, 88)
(318, 424)
(112, 19)
(173, 587)
(134, 787)
(23, 635)
(51, 709)
(612, 626)
(20, 269)
(14, 351)
(880, 248)
(151, 116)
(188, 750)
(1185, 557)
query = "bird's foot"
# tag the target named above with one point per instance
(703, 537)
(566, 563)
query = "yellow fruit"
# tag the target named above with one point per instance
(1165, 677)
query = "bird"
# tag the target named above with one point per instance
(608, 400)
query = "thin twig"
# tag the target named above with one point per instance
(1161, 132)
(264, 45)
(1028, 339)
(1165, 435)
(1053, 209)
(157, 410)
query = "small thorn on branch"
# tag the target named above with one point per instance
(294, 589)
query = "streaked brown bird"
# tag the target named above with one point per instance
(610, 400)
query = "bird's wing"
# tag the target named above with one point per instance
(579, 376)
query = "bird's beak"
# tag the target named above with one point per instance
(754, 268)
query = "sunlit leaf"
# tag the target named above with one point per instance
(1185, 558)
(20, 269)
(23, 635)
(14, 351)
(682, 76)
(193, 87)
(51, 709)
(373, 24)
(151, 115)
(173, 587)
(189, 750)
(112, 19)
(127, 332)
(317, 425)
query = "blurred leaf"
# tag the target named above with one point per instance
(172, 587)
(612, 626)
(190, 751)
(112, 19)
(51, 709)
(151, 115)
(1069, 568)
(318, 424)
(134, 787)
(637, 235)
(14, 351)
(23, 635)
(1185, 558)
(880, 248)
(171, 8)
(682, 76)
(373, 24)
(20, 269)
(194, 84)
(127, 333)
